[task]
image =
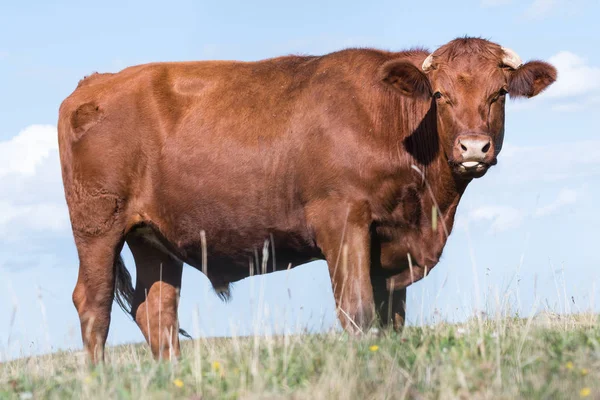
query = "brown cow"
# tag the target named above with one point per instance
(239, 168)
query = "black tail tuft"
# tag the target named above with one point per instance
(184, 334)
(124, 290)
(224, 292)
(123, 286)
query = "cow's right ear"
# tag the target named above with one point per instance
(406, 78)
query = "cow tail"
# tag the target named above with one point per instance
(123, 286)
(124, 290)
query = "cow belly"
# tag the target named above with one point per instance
(239, 219)
(231, 255)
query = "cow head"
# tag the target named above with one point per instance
(467, 81)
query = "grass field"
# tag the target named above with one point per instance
(549, 357)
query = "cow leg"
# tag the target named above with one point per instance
(390, 304)
(156, 297)
(343, 236)
(94, 291)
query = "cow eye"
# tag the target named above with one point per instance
(502, 92)
(437, 95)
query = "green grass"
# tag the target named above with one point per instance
(505, 358)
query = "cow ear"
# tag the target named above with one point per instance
(406, 78)
(531, 79)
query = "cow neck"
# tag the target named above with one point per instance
(444, 186)
(408, 127)
(435, 176)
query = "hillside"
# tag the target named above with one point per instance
(502, 358)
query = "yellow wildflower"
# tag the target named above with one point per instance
(585, 392)
(374, 348)
(569, 365)
(88, 379)
(178, 382)
(584, 371)
(216, 365)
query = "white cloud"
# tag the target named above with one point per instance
(24, 152)
(575, 76)
(528, 169)
(502, 218)
(565, 197)
(32, 217)
(548, 163)
(537, 8)
(541, 8)
(576, 88)
(31, 192)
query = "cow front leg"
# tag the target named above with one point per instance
(390, 303)
(342, 233)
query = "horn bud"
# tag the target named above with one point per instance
(510, 58)
(428, 63)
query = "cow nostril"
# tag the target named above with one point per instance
(486, 147)
(463, 147)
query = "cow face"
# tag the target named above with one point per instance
(467, 81)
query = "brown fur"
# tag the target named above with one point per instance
(340, 157)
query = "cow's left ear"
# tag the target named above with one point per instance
(531, 79)
(405, 78)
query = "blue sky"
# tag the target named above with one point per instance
(526, 233)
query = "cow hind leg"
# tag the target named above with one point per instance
(156, 295)
(94, 291)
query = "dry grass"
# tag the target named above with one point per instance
(502, 358)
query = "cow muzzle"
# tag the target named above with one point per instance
(473, 154)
